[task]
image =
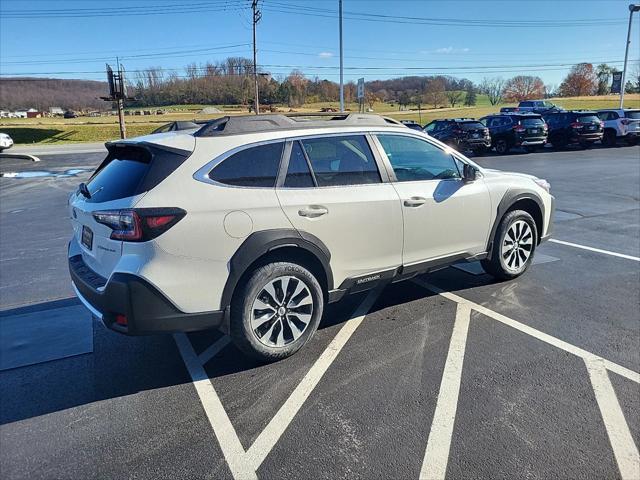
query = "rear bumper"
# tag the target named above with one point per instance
(476, 143)
(587, 137)
(146, 309)
(528, 143)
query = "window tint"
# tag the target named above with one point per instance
(298, 173)
(119, 178)
(634, 114)
(341, 160)
(413, 159)
(531, 122)
(588, 119)
(430, 127)
(471, 125)
(251, 167)
(526, 104)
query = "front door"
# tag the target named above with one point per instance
(443, 215)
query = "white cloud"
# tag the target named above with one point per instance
(448, 50)
(325, 54)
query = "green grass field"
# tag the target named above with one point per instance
(100, 129)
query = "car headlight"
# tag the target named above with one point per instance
(541, 182)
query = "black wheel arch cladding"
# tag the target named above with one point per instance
(523, 200)
(260, 244)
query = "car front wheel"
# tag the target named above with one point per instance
(514, 244)
(502, 146)
(276, 311)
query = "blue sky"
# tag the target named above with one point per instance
(382, 38)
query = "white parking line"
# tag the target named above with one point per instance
(279, 423)
(213, 349)
(597, 250)
(551, 340)
(223, 429)
(243, 465)
(624, 448)
(436, 457)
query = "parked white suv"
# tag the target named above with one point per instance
(620, 124)
(254, 223)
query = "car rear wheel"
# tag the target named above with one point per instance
(514, 244)
(502, 146)
(609, 138)
(276, 312)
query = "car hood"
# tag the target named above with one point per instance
(492, 173)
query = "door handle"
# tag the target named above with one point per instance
(313, 211)
(415, 202)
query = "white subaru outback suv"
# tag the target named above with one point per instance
(254, 223)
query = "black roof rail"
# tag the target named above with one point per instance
(237, 125)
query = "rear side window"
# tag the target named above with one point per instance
(131, 170)
(251, 167)
(341, 160)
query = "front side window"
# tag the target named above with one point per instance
(414, 159)
(251, 167)
(341, 160)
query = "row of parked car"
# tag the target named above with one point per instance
(531, 131)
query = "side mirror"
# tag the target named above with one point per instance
(469, 173)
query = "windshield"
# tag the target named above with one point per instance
(633, 114)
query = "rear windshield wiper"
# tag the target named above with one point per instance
(82, 188)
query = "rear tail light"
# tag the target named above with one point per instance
(577, 125)
(140, 224)
(519, 128)
(122, 320)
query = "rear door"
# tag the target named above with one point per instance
(334, 190)
(443, 215)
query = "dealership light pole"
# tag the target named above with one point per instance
(257, 15)
(632, 8)
(341, 61)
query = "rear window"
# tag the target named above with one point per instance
(531, 122)
(526, 104)
(251, 167)
(588, 118)
(471, 125)
(131, 170)
(634, 114)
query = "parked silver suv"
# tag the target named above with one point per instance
(254, 223)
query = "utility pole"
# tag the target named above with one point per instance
(341, 59)
(632, 8)
(257, 15)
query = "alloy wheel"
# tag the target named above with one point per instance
(281, 311)
(517, 246)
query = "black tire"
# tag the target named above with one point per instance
(479, 151)
(495, 264)
(632, 141)
(609, 138)
(502, 146)
(241, 331)
(559, 142)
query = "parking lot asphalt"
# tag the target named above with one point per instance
(451, 374)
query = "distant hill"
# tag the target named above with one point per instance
(42, 93)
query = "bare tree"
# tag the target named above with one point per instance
(454, 96)
(434, 93)
(492, 88)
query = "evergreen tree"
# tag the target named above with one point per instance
(470, 99)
